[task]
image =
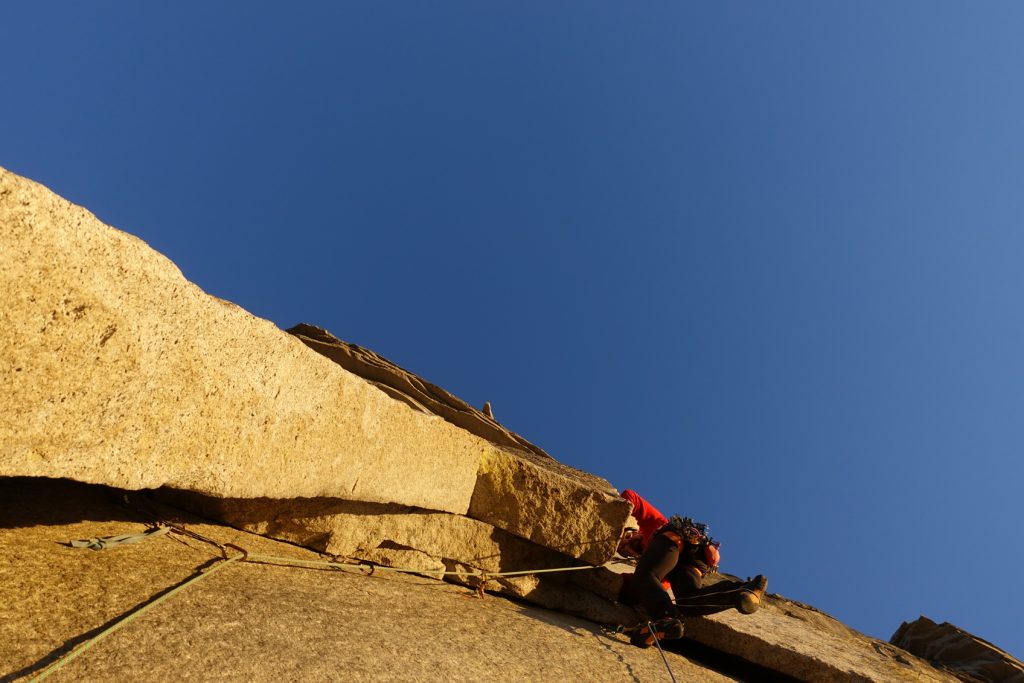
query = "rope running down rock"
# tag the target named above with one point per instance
(245, 556)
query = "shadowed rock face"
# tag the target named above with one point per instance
(968, 656)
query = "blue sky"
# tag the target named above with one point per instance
(758, 261)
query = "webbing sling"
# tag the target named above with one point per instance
(124, 539)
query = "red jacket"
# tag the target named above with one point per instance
(646, 515)
(650, 520)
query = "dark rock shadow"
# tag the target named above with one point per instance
(40, 501)
(726, 664)
(244, 511)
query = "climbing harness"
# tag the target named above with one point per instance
(695, 533)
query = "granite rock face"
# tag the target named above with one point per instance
(525, 495)
(115, 369)
(965, 655)
(808, 645)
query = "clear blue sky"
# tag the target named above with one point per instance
(760, 261)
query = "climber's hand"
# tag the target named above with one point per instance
(630, 544)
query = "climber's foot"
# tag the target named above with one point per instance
(753, 592)
(667, 628)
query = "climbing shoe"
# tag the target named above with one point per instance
(667, 628)
(750, 598)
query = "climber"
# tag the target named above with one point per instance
(677, 553)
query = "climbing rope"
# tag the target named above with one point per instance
(657, 642)
(359, 566)
(273, 559)
(124, 620)
(162, 528)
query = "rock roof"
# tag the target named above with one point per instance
(963, 654)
